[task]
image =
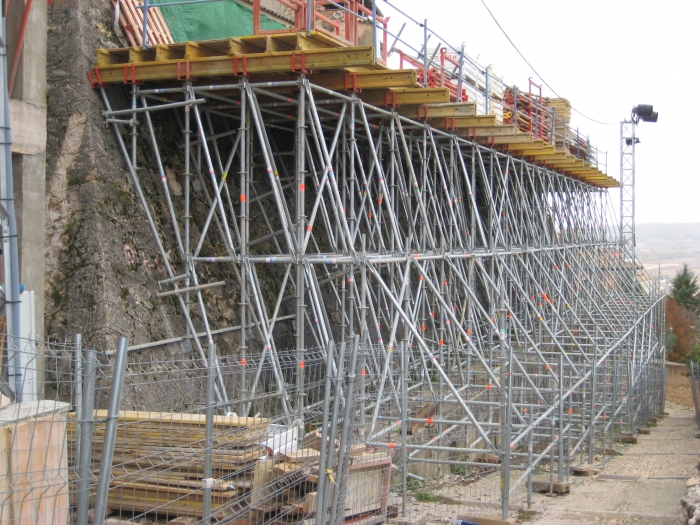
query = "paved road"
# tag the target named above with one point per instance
(662, 461)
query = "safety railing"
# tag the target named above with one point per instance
(339, 20)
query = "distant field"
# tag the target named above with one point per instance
(669, 246)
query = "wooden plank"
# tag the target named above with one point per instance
(318, 59)
(182, 418)
(302, 455)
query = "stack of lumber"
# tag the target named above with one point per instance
(158, 467)
(562, 113)
(158, 463)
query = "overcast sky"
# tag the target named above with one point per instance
(605, 56)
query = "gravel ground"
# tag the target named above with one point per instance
(661, 462)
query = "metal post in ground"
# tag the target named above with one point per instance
(115, 397)
(592, 416)
(337, 514)
(332, 487)
(404, 426)
(209, 434)
(560, 459)
(530, 437)
(323, 483)
(506, 359)
(86, 424)
(78, 381)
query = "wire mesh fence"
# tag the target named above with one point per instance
(373, 434)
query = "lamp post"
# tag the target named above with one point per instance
(628, 142)
(628, 265)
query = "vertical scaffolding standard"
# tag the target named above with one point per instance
(494, 316)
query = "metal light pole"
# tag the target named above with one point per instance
(628, 141)
(628, 264)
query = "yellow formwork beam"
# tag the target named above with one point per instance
(408, 96)
(284, 61)
(397, 78)
(522, 138)
(439, 110)
(487, 131)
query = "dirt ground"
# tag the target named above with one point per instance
(680, 395)
(656, 469)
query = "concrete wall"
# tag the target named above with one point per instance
(677, 375)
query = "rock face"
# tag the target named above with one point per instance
(691, 502)
(100, 257)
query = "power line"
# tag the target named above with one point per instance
(535, 71)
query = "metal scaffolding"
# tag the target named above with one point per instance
(466, 303)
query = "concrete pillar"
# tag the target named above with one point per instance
(28, 124)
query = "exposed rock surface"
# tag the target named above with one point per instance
(691, 501)
(101, 263)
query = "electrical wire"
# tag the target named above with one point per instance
(535, 71)
(516, 49)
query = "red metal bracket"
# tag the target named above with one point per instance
(387, 102)
(130, 74)
(303, 63)
(95, 84)
(346, 82)
(187, 70)
(245, 66)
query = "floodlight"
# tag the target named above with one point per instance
(643, 110)
(651, 118)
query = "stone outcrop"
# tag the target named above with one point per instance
(691, 501)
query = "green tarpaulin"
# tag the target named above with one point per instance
(212, 20)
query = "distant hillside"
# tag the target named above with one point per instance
(677, 231)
